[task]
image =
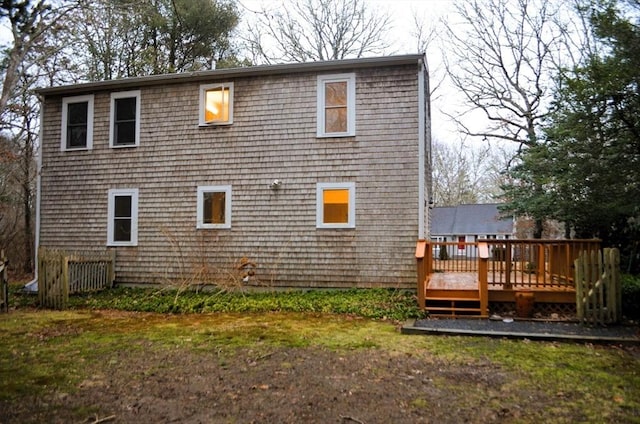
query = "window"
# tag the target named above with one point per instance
(125, 119)
(214, 207)
(336, 205)
(122, 227)
(216, 104)
(336, 105)
(77, 123)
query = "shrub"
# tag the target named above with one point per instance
(397, 305)
(631, 296)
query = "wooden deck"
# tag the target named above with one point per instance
(468, 281)
(477, 274)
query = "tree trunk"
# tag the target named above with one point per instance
(537, 230)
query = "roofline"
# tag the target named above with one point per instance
(249, 71)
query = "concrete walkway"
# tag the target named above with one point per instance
(522, 329)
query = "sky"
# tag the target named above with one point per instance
(404, 42)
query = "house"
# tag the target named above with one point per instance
(316, 174)
(466, 224)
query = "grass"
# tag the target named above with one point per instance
(40, 350)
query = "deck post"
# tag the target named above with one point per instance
(483, 278)
(421, 249)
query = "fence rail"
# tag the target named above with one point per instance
(62, 273)
(4, 283)
(598, 290)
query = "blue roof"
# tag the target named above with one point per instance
(480, 219)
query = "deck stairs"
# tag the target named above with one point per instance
(453, 303)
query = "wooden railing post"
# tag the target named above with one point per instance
(483, 278)
(4, 284)
(421, 250)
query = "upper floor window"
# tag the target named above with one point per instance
(125, 119)
(336, 205)
(336, 105)
(216, 104)
(77, 123)
(122, 227)
(214, 207)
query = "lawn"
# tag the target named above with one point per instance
(122, 366)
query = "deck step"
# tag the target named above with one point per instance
(453, 294)
(452, 299)
(465, 305)
(455, 309)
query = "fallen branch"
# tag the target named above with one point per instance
(103, 420)
(349, 418)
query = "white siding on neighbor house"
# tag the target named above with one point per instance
(273, 136)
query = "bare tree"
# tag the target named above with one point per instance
(28, 22)
(464, 173)
(312, 30)
(426, 34)
(34, 56)
(502, 61)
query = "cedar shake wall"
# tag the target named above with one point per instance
(273, 136)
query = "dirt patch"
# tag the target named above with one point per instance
(286, 385)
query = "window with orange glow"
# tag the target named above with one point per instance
(216, 104)
(335, 205)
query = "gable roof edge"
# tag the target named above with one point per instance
(286, 68)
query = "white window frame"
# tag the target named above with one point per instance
(112, 118)
(201, 112)
(200, 206)
(113, 193)
(350, 79)
(65, 111)
(320, 188)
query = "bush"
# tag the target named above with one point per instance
(397, 305)
(631, 296)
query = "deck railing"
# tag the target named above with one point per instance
(512, 264)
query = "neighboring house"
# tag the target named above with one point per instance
(466, 224)
(316, 174)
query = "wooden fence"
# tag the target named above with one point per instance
(598, 290)
(4, 284)
(62, 273)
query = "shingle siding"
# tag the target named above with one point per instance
(273, 136)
